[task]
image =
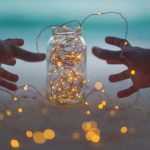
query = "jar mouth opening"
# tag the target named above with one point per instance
(65, 30)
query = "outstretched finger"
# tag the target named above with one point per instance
(8, 75)
(8, 85)
(11, 62)
(106, 54)
(109, 61)
(17, 42)
(127, 92)
(120, 76)
(117, 42)
(26, 55)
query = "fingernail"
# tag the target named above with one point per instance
(16, 78)
(106, 39)
(120, 95)
(96, 50)
(14, 87)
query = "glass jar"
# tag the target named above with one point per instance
(66, 64)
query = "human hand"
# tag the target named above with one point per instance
(136, 59)
(9, 50)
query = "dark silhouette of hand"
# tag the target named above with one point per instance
(136, 59)
(9, 50)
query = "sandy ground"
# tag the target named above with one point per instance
(64, 120)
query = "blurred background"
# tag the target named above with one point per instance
(25, 18)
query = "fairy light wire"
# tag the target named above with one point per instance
(37, 40)
(105, 13)
(123, 17)
(80, 24)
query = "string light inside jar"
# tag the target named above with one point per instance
(66, 64)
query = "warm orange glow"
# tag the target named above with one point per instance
(95, 138)
(86, 103)
(116, 107)
(104, 103)
(88, 112)
(20, 110)
(100, 106)
(123, 130)
(49, 134)
(1, 116)
(39, 138)
(26, 88)
(15, 99)
(29, 134)
(8, 113)
(76, 135)
(14, 143)
(98, 85)
(89, 135)
(132, 72)
(125, 43)
(86, 126)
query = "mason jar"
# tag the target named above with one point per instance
(66, 65)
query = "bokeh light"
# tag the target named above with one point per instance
(123, 129)
(98, 85)
(29, 134)
(49, 134)
(39, 138)
(76, 135)
(14, 143)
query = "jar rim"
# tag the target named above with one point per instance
(66, 30)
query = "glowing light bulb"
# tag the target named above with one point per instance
(123, 130)
(79, 56)
(86, 103)
(76, 39)
(75, 135)
(59, 64)
(8, 113)
(49, 134)
(39, 138)
(89, 135)
(125, 43)
(20, 110)
(88, 112)
(15, 99)
(100, 106)
(26, 88)
(104, 103)
(29, 134)
(84, 81)
(103, 91)
(86, 126)
(95, 138)
(14, 143)
(116, 107)
(132, 72)
(98, 85)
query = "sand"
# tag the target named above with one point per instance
(38, 115)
